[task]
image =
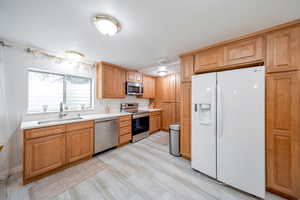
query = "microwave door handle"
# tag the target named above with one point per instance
(142, 89)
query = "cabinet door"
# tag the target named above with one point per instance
(152, 122)
(186, 67)
(158, 122)
(177, 87)
(185, 120)
(119, 83)
(152, 88)
(79, 144)
(134, 76)
(44, 154)
(108, 84)
(138, 77)
(130, 76)
(185, 138)
(283, 50)
(159, 85)
(168, 114)
(208, 60)
(283, 132)
(244, 52)
(149, 87)
(171, 88)
(177, 112)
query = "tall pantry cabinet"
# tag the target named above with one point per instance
(283, 111)
(186, 69)
(167, 98)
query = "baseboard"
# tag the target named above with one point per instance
(289, 197)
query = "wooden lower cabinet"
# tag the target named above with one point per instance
(125, 132)
(49, 149)
(185, 138)
(155, 121)
(44, 154)
(79, 144)
(283, 133)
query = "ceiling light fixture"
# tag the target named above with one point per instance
(162, 73)
(74, 55)
(107, 25)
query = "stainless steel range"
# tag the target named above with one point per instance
(140, 120)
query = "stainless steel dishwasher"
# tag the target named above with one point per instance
(106, 134)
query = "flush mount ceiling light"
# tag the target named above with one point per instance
(107, 25)
(162, 73)
(74, 55)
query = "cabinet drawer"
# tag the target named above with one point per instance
(125, 130)
(154, 113)
(125, 118)
(80, 125)
(125, 123)
(124, 138)
(42, 132)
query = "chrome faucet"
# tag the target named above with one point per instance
(61, 113)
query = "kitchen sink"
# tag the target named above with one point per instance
(59, 120)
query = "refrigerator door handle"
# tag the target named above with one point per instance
(220, 111)
(195, 107)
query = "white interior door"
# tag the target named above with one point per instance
(204, 123)
(241, 130)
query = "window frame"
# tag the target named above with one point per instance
(64, 90)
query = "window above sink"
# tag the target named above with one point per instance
(46, 90)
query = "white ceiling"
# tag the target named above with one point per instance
(152, 29)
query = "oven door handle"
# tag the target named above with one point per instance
(140, 116)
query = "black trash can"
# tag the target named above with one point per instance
(174, 139)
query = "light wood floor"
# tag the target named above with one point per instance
(143, 170)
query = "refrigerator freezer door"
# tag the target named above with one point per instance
(241, 131)
(204, 124)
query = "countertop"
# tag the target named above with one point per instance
(150, 109)
(35, 124)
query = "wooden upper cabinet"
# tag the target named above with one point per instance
(149, 87)
(120, 83)
(110, 81)
(44, 154)
(283, 50)
(171, 88)
(186, 67)
(283, 132)
(244, 52)
(166, 88)
(208, 60)
(134, 76)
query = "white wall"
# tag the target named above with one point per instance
(17, 62)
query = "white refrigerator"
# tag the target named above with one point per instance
(228, 127)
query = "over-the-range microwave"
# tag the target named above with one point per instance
(133, 88)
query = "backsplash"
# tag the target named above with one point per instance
(100, 105)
